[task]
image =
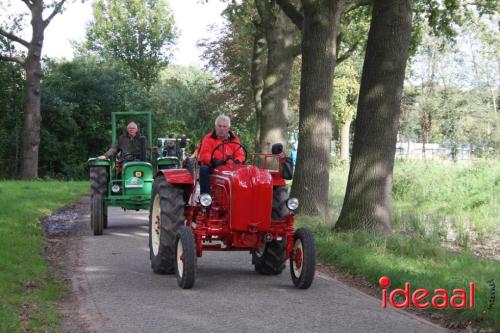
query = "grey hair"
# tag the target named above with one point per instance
(223, 118)
(132, 123)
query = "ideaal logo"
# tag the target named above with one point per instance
(439, 299)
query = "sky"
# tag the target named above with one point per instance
(192, 19)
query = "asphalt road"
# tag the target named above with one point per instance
(117, 291)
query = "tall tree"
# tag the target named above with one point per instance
(280, 33)
(139, 33)
(368, 200)
(320, 27)
(257, 77)
(31, 62)
(230, 57)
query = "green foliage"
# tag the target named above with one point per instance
(77, 101)
(138, 33)
(79, 97)
(354, 26)
(11, 111)
(454, 89)
(458, 116)
(229, 57)
(27, 289)
(185, 103)
(444, 17)
(345, 93)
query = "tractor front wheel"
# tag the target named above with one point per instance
(105, 219)
(166, 216)
(98, 187)
(97, 214)
(185, 254)
(303, 259)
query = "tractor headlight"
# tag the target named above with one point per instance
(292, 203)
(115, 188)
(205, 200)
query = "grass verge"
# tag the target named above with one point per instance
(421, 261)
(28, 292)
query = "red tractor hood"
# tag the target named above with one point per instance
(248, 191)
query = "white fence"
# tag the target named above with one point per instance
(431, 151)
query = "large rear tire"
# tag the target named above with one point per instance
(98, 187)
(271, 261)
(185, 254)
(166, 216)
(280, 196)
(303, 259)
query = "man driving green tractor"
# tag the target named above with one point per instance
(129, 145)
(123, 175)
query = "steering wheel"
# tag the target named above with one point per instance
(226, 156)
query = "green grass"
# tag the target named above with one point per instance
(432, 200)
(438, 198)
(28, 292)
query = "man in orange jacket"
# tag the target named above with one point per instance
(229, 149)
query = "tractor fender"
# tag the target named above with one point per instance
(177, 176)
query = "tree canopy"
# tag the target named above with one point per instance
(139, 33)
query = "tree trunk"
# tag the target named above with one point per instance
(30, 136)
(257, 77)
(280, 35)
(368, 200)
(344, 141)
(319, 32)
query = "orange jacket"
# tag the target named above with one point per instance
(210, 141)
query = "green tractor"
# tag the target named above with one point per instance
(126, 181)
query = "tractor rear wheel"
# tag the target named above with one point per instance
(185, 254)
(280, 196)
(303, 259)
(166, 216)
(271, 261)
(98, 187)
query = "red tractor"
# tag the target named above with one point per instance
(248, 209)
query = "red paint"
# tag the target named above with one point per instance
(418, 296)
(298, 259)
(384, 282)
(240, 214)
